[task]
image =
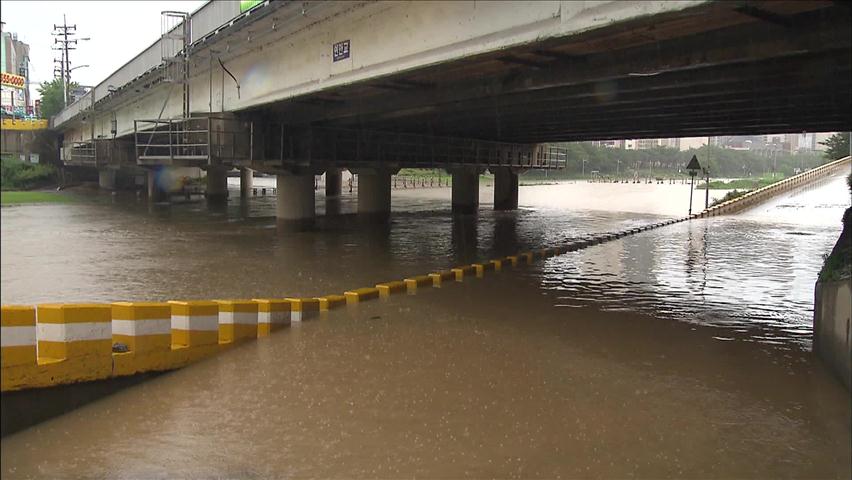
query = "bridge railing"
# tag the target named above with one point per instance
(82, 153)
(183, 139)
(196, 141)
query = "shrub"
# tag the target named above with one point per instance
(17, 175)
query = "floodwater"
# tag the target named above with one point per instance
(679, 352)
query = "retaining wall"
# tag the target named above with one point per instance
(763, 194)
(833, 327)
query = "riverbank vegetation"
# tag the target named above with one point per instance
(838, 263)
(741, 183)
(583, 159)
(18, 175)
(729, 196)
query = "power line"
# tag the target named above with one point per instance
(64, 43)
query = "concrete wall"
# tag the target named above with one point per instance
(833, 327)
(756, 197)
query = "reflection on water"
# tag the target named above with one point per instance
(752, 273)
(570, 367)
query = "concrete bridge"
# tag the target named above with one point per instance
(301, 88)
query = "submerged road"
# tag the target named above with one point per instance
(682, 351)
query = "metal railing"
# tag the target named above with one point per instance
(196, 140)
(82, 153)
(172, 139)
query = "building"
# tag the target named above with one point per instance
(14, 76)
(638, 144)
(649, 143)
(693, 142)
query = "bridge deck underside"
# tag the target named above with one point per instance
(719, 69)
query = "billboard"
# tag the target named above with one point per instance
(14, 81)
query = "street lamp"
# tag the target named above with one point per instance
(693, 167)
(584, 167)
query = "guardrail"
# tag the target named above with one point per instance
(54, 344)
(209, 140)
(760, 195)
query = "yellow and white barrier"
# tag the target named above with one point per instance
(237, 320)
(17, 335)
(438, 278)
(79, 336)
(142, 326)
(460, 272)
(74, 330)
(303, 309)
(361, 295)
(330, 302)
(391, 288)
(195, 323)
(145, 328)
(272, 314)
(481, 268)
(413, 283)
(18, 339)
(56, 344)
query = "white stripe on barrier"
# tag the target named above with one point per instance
(207, 323)
(149, 326)
(273, 317)
(20, 336)
(240, 318)
(73, 332)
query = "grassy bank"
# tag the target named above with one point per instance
(741, 183)
(22, 198)
(729, 196)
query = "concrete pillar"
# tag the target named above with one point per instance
(156, 192)
(374, 192)
(246, 182)
(295, 202)
(106, 179)
(333, 182)
(217, 184)
(465, 191)
(505, 189)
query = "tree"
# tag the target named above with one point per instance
(837, 146)
(52, 96)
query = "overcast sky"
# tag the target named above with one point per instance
(119, 30)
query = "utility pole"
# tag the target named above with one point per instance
(64, 42)
(707, 180)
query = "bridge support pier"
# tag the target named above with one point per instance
(246, 182)
(374, 192)
(217, 185)
(106, 179)
(295, 200)
(465, 190)
(156, 192)
(505, 189)
(333, 182)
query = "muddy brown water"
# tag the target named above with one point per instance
(679, 352)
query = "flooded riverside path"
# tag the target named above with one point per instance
(679, 352)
